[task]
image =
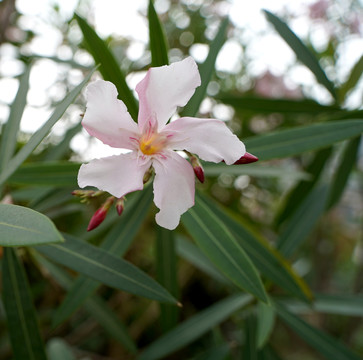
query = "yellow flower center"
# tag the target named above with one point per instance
(151, 144)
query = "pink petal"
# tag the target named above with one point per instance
(210, 139)
(107, 118)
(118, 175)
(164, 88)
(174, 188)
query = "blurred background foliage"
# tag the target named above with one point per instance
(270, 198)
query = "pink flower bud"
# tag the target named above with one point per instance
(247, 158)
(199, 173)
(120, 203)
(97, 218)
(100, 214)
(197, 167)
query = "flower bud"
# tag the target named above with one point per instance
(197, 167)
(199, 173)
(100, 214)
(120, 204)
(247, 158)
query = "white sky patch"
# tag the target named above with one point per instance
(229, 57)
(121, 18)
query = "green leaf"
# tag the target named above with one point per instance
(58, 349)
(343, 304)
(295, 141)
(249, 349)
(191, 329)
(283, 106)
(158, 42)
(166, 274)
(21, 226)
(297, 195)
(109, 68)
(265, 258)
(106, 268)
(94, 305)
(58, 173)
(265, 324)
(191, 253)
(328, 346)
(255, 170)
(21, 317)
(301, 51)
(352, 80)
(116, 242)
(217, 242)
(303, 221)
(206, 71)
(60, 150)
(10, 129)
(343, 171)
(37, 137)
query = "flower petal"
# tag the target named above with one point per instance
(174, 188)
(118, 174)
(107, 118)
(164, 88)
(210, 139)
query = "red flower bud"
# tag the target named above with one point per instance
(199, 173)
(97, 218)
(247, 158)
(100, 214)
(197, 167)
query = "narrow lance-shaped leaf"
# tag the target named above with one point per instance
(21, 317)
(206, 71)
(166, 270)
(267, 259)
(106, 268)
(109, 68)
(21, 226)
(285, 106)
(328, 346)
(95, 306)
(343, 171)
(303, 221)
(158, 43)
(265, 323)
(191, 253)
(342, 304)
(59, 151)
(116, 242)
(301, 51)
(285, 143)
(249, 349)
(57, 173)
(297, 195)
(352, 80)
(217, 242)
(191, 329)
(38, 136)
(10, 129)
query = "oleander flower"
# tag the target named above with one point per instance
(153, 141)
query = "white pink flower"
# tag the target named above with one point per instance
(153, 141)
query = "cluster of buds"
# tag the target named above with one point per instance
(100, 214)
(247, 158)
